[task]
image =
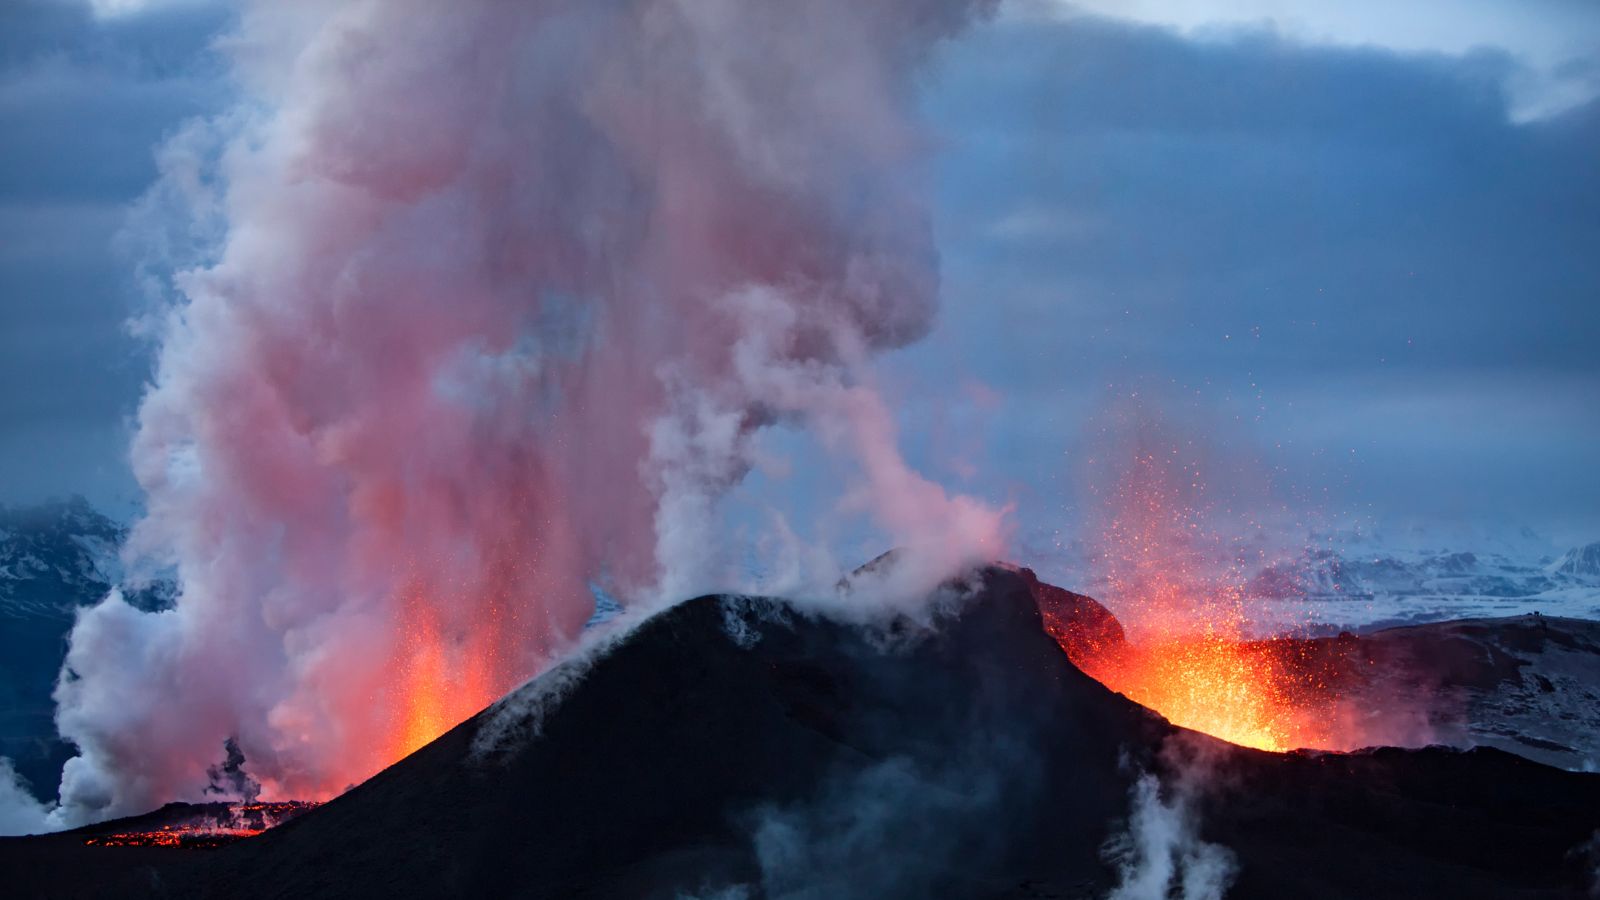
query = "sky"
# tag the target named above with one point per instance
(84, 103)
(1354, 248)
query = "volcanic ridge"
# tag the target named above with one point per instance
(735, 746)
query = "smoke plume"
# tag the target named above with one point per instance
(230, 779)
(492, 305)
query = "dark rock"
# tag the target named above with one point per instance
(743, 742)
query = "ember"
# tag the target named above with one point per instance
(442, 681)
(208, 828)
(1175, 585)
(1262, 694)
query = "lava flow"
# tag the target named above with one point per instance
(204, 827)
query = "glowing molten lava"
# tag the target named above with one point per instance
(205, 827)
(1248, 693)
(442, 682)
(1273, 695)
(1177, 589)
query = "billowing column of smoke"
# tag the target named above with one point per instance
(489, 306)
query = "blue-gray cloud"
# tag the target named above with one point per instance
(84, 103)
(1357, 256)
(1357, 253)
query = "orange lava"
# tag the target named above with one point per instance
(175, 836)
(208, 828)
(1178, 590)
(442, 682)
(458, 637)
(1255, 694)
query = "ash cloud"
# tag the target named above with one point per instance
(229, 779)
(478, 309)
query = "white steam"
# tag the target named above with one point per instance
(1162, 856)
(493, 303)
(20, 813)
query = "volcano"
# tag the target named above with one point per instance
(750, 747)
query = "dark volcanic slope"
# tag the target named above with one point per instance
(1526, 684)
(723, 717)
(737, 743)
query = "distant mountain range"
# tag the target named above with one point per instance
(1366, 579)
(1372, 585)
(1332, 574)
(54, 559)
(1580, 563)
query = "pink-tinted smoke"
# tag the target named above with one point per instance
(497, 301)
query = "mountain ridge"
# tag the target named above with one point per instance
(752, 747)
(55, 558)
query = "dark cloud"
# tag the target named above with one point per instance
(84, 103)
(1355, 256)
(1303, 237)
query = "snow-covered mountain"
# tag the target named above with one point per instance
(54, 559)
(1366, 583)
(1322, 573)
(1579, 563)
(1363, 578)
